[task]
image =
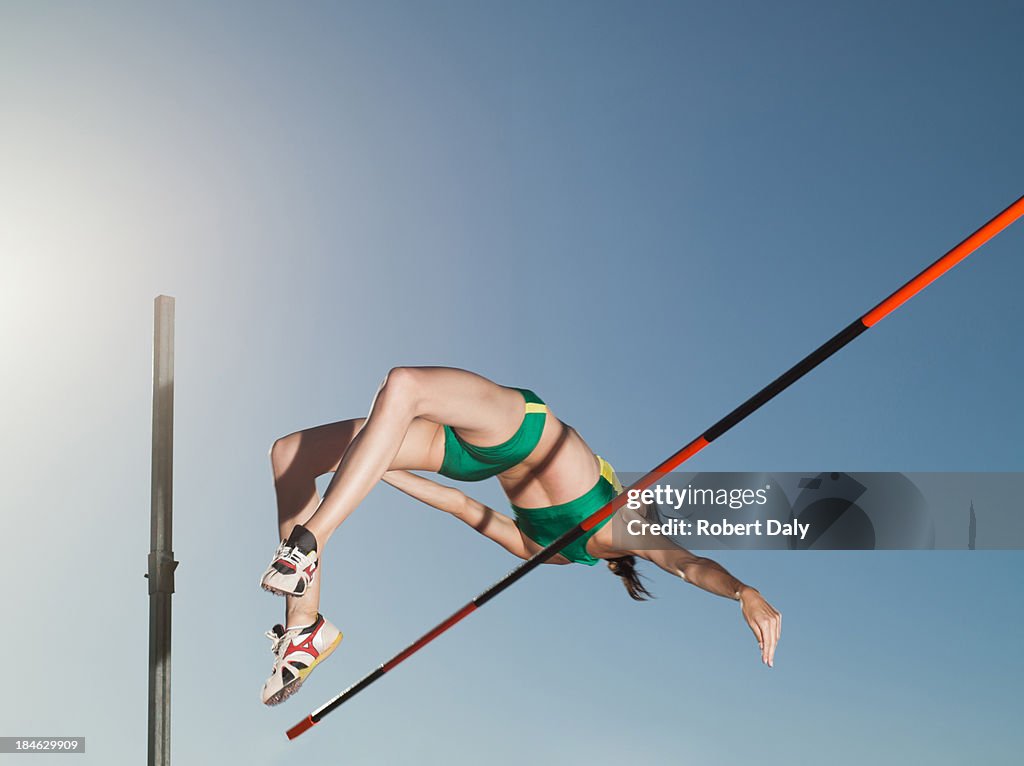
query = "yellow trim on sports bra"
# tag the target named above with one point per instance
(608, 473)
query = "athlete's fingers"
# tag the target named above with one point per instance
(756, 629)
(777, 631)
(773, 640)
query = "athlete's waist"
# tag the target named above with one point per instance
(606, 487)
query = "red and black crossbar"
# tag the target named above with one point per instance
(781, 383)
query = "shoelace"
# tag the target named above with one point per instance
(279, 642)
(289, 553)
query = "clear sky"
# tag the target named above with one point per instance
(642, 211)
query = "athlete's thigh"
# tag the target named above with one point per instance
(320, 449)
(480, 409)
(422, 449)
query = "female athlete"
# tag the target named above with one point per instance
(464, 427)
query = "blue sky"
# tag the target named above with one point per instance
(643, 213)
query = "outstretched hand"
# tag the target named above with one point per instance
(764, 620)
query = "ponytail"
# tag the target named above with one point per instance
(625, 567)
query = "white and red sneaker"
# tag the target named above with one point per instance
(294, 564)
(296, 652)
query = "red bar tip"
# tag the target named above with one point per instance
(301, 726)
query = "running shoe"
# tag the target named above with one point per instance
(295, 562)
(296, 652)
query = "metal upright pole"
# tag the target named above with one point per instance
(161, 557)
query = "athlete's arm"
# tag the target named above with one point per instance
(488, 522)
(764, 620)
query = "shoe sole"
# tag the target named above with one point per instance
(280, 592)
(290, 689)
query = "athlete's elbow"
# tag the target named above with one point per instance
(458, 504)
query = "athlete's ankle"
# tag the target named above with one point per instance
(299, 620)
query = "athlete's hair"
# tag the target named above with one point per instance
(625, 567)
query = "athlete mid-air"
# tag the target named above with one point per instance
(465, 427)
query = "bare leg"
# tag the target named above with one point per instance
(487, 412)
(297, 460)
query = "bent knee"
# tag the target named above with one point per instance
(401, 379)
(283, 452)
(401, 388)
